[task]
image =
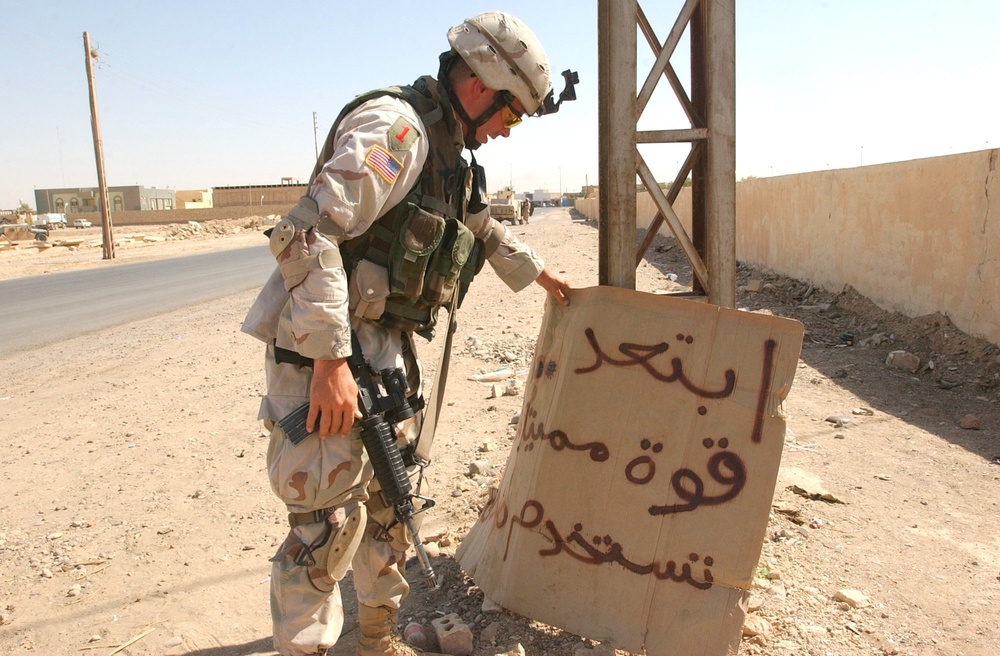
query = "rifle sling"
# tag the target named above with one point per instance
(425, 440)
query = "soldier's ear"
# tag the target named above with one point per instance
(480, 89)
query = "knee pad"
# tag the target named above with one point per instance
(345, 540)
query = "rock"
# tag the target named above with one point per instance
(490, 606)
(970, 422)
(838, 420)
(853, 598)
(903, 360)
(479, 468)
(808, 485)
(814, 630)
(489, 634)
(755, 285)
(433, 549)
(777, 591)
(755, 625)
(515, 419)
(513, 388)
(518, 650)
(496, 391)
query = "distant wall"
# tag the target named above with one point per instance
(251, 195)
(163, 217)
(915, 237)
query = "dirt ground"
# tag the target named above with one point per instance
(137, 518)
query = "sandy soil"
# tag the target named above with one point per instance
(137, 518)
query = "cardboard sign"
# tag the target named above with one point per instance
(635, 500)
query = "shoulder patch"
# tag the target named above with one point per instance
(402, 134)
(382, 162)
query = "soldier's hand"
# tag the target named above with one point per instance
(554, 284)
(333, 399)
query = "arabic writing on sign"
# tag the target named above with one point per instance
(726, 473)
(599, 550)
(557, 438)
(641, 355)
(688, 485)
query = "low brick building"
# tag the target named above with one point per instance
(87, 199)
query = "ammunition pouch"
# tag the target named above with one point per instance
(429, 260)
(418, 236)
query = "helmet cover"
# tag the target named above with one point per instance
(506, 55)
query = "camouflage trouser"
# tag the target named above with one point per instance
(306, 609)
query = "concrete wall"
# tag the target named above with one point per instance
(915, 237)
(251, 196)
(193, 199)
(164, 217)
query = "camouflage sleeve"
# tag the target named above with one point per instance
(379, 153)
(514, 261)
(377, 157)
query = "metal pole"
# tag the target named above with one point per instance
(719, 24)
(315, 135)
(106, 229)
(616, 62)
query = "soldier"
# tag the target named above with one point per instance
(392, 228)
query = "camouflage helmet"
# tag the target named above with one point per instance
(506, 55)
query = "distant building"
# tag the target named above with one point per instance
(120, 199)
(541, 195)
(193, 199)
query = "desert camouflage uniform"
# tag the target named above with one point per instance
(309, 309)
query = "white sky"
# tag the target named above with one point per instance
(201, 94)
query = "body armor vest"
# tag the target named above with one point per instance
(423, 242)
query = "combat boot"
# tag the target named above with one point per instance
(377, 633)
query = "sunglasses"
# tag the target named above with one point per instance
(508, 113)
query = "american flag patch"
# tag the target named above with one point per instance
(380, 161)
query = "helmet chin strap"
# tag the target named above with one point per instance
(471, 125)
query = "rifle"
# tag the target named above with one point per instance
(382, 402)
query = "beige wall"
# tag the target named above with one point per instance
(164, 217)
(915, 237)
(193, 199)
(250, 196)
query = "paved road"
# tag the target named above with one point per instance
(44, 309)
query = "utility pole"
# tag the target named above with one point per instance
(106, 229)
(315, 135)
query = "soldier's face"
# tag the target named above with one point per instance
(501, 123)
